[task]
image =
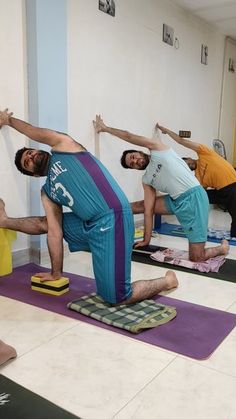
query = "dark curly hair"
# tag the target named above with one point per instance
(18, 157)
(123, 157)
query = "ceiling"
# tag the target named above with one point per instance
(220, 13)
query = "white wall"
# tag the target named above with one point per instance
(228, 113)
(120, 67)
(13, 185)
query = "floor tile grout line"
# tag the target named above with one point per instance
(195, 362)
(46, 342)
(200, 363)
(231, 305)
(143, 388)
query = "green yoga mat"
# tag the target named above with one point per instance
(16, 402)
(227, 271)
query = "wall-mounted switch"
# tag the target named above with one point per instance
(185, 134)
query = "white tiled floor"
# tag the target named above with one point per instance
(98, 374)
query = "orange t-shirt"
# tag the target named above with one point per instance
(213, 171)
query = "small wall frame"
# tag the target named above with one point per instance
(107, 6)
(231, 67)
(204, 54)
(168, 34)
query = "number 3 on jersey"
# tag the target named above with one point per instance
(65, 193)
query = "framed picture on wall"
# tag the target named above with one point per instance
(107, 6)
(231, 65)
(204, 54)
(168, 34)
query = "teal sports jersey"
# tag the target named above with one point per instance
(82, 183)
(100, 221)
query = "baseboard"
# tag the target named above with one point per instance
(21, 257)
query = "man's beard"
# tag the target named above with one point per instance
(41, 163)
(145, 162)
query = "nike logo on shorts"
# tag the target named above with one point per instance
(104, 229)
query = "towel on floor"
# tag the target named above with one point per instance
(134, 318)
(181, 257)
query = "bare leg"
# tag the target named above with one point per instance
(198, 253)
(160, 206)
(145, 289)
(28, 225)
(137, 207)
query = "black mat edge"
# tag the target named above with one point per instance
(227, 271)
(22, 403)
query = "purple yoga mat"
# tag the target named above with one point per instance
(196, 331)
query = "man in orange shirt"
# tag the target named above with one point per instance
(212, 171)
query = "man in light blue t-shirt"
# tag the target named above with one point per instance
(166, 172)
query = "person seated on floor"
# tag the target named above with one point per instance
(7, 352)
(167, 172)
(100, 221)
(212, 171)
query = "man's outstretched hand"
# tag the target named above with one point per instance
(5, 117)
(163, 129)
(141, 243)
(98, 124)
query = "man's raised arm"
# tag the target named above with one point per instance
(41, 135)
(141, 141)
(183, 141)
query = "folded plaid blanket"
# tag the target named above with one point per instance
(134, 318)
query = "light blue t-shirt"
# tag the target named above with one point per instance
(168, 173)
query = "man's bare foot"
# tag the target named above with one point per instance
(3, 215)
(171, 279)
(6, 352)
(225, 247)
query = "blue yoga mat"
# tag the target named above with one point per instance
(212, 235)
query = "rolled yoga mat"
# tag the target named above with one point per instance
(195, 332)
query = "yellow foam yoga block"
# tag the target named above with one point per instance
(6, 237)
(57, 287)
(138, 233)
